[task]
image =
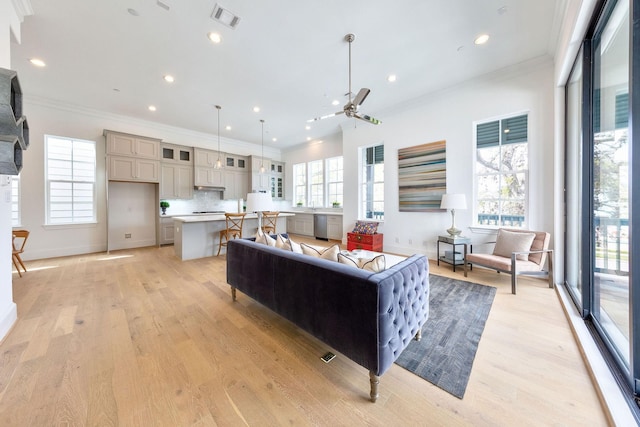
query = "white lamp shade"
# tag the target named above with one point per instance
(259, 202)
(453, 201)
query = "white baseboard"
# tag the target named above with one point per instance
(7, 319)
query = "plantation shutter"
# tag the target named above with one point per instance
(514, 130)
(622, 111)
(488, 134)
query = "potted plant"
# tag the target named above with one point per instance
(164, 205)
(299, 204)
(336, 204)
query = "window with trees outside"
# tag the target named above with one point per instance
(334, 181)
(502, 168)
(70, 172)
(372, 182)
(316, 183)
(15, 200)
(300, 184)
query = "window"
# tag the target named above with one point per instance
(316, 183)
(502, 166)
(334, 180)
(15, 201)
(372, 182)
(300, 183)
(71, 180)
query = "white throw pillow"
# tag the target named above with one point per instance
(330, 253)
(282, 243)
(375, 264)
(510, 241)
(265, 239)
(295, 247)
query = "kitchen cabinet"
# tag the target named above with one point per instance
(301, 224)
(166, 231)
(133, 169)
(260, 182)
(276, 184)
(334, 227)
(235, 162)
(176, 181)
(204, 172)
(236, 184)
(178, 154)
(122, 144)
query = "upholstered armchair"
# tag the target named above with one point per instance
(517, 252)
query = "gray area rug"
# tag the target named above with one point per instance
(458, 312)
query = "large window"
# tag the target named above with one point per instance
(502, 166)
(300, 184)
(15, 201)
(316, 183)
(334, 180)
(372, 182)
(71, 179)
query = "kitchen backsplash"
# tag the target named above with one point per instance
(205, 200)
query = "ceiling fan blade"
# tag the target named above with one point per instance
(367, 118)
(360, 97)
(324, 117)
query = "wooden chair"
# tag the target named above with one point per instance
(234, 222)
(22, 235)
(517, 252)
(269, 219)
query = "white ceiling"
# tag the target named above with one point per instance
(289, 57)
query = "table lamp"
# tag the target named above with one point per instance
(259, 202)
(453, 202)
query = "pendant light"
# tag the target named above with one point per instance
(262, 160)
(218, 164)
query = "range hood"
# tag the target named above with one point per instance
(209, 188)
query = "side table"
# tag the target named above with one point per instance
(454, 241)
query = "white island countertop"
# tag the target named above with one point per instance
(198, 236)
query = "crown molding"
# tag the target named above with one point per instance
(22, 8)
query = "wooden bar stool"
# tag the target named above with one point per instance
(234, 222)
(17, 261)
(269, 219)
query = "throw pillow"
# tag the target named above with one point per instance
(365, 227)
(330, 253)
(295, 247)
(265, 239)
(510, 241)
(282, 242)
(375, 264)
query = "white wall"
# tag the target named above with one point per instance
(132, 212)
(449, 115)
(49, 118)
(10, 20)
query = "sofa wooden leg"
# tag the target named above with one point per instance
(418, 335)
(374, 380)
(233, 293)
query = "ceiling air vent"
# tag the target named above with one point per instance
(225, 16)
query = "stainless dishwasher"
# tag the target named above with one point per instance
(320, 227)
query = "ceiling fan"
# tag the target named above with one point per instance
(351, 108)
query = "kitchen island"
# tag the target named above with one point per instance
(198, 236)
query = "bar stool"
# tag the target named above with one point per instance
(15, 256)
(269, 219)
(234, 222)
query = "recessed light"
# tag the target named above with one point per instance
(37, 62)
(335, 102)
(274, 139)
(256, 109)
(214, 37)
(481, 39)
(169, 78)
(308, 138)
(228, 127)
(152, 108)
(391, 78)
(307, 127)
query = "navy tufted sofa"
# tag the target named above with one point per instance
(368, 317)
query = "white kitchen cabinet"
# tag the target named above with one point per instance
(122, 144)
(166, 231)
(176, 181)
(300, 224)
(133, 169)
(334, 227)
(236, 184)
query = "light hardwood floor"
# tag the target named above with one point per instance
(140, 338)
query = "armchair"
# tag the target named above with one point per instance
(517, 252)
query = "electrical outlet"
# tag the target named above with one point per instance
(127, 235)
(410, 241)
(397, 240)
